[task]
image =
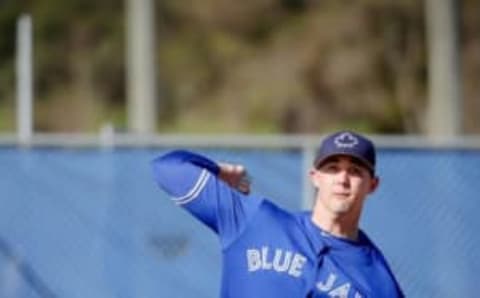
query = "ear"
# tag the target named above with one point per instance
(374, 184)
(313, 173)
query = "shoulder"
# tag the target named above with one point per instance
(367, 241)
(273, 210)
(272, 215)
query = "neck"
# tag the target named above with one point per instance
(339, 225)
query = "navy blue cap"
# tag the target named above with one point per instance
(347, 143)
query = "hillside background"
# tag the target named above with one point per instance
(253, 66)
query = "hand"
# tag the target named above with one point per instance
(235, 176)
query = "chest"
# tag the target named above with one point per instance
(279, 271)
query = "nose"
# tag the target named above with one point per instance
(342, 177)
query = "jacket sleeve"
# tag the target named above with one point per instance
(191, 181)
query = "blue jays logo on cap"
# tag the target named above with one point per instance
(346, 140)
(347, 143)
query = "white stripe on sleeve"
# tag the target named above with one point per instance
(195, 191)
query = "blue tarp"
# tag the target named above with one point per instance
(92, 223)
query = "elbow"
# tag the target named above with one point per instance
(174, 173)
(164, 165)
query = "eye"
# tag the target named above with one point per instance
(355, 171)
(331, 168)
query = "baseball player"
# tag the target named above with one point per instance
(268, 252)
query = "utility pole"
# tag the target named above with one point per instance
(444, 115)
(141, 76)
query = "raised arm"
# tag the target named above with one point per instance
(215, 193)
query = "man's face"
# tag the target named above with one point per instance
(343, 183)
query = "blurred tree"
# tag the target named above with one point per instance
(8, 19)
(296, 66)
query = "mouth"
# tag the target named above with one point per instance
(341, 194)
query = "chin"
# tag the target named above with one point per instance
(342, 208)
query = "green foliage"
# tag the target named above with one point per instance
(294, 66)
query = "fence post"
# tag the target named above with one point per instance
(308, 193)
(445, 99)
(24, 80)
(141, 74)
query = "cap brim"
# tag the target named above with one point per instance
(363, 161)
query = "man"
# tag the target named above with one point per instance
(268, 252)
